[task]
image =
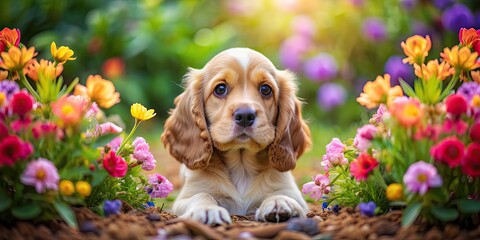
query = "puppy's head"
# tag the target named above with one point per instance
(239, 100)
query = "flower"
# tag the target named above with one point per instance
(16, 59)
(394, 191)
(334, 155)
(322, 67)
(115, 143)
(421, 176)
(9, 38)
(112, 207)
(46, 129)
(3, 131)
(99, 90)
(379, 91)
(398, 70)
(83, 188)
(69, 110)
(43, 70)
(330, 95)
(374, 29)
(66, 187)
(21, 103)
(475, 75)
(62, 54)
(367, 209)
(449, 151)
(442, 4)
(456, 125)
(407, 111)
(319, 186)
(142, 153)
(379, 115)
(433, 69)
(109, 128)
(475, 132)
(9, 88)
(468, 90)
(113, 67)
(416, 48)
(41, 174)
(141, 113)
(471, 162)
(365, 134)
(3, 75)
(463, 60)
(158, 186)
(431, 132)
(304, 25)
(456, 105)
(292, 49)
(468, 37)
(362, 166)
(115, 165)
(457, 16)
(12, 149)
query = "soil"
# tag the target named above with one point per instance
(152, 223)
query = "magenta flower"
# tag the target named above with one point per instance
(330, 95)
(109, 127)
(420, 177)
(12, 149)
(374, 29)
(158, 186)
(142, 154)
(334, 155)
(322, 67)
(41, 174)
(319, 186)
(364, 137)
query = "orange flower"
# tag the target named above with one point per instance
(8, 38)
(463, 60)
(379, 91)
(99, 90)
(407, 111)
(3, 75)
(113, 67)
(44, 69)
(69, 110)
(468, 37)
(433, 69)
(475, 76)
(416, 49)
(16, 59)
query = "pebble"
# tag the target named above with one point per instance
(89, 227)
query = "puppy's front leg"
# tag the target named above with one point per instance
(279, 208)
(202, 207)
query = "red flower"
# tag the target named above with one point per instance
(3, 131)
(475, 133)
(12, 148)
(47, 129)
(449, 151)
(457, 125)
(362, 166)
(456, 104)
(8, 38)
(115, 165)
(468, 37)
(471, 162)
(21, 103)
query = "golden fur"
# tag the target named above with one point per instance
(234, 169)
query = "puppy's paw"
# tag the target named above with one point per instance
(210, 215)
(279, 208)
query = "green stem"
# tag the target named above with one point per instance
(29, 87)
(124, 142)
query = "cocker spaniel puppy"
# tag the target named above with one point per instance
(238, 129)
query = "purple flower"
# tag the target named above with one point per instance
(408, 4)
(142, 154)
(115, 143)
(468, 90)
(364, 137)
(458, 16)
(357, 3)
(41, 174)
(330, 95)
(292, 50)
(334, 155)
(319, 186)
(322, 67)
(367, 209)
(421, 176)
(158, 186)
(304, 26)
(374, 29)
(442, 4)
(9, 88)
(397, 69)
(112, 207)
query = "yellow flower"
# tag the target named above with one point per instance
(3, 75)
(99, 90)
(475, 76)
(83, 188)
(463, 60)
(433, 69)
(62, 54)
(476, 101)
(2, 98)
(66, 187)
(44, 69)
(394, 192)
(416, 49)
(141, 113)
(16, 59)
(379, 91)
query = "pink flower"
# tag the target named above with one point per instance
(158, 186)
(3, 131)
(109, 127)
(471, 162)
(115, 165)
(142, 154)
(449, 151)
(407, 111)
(12, 149)
(362, 166)
(431, 132)
(475, 132)
(456, 104)
(21, 103)
(420, 177)
(319, 186)
(115, 143)
(457, 126)
(21, 124)
(381, 112)
(47, 129)
(69, 110)
(334, 155)
(364, 137)
(41, 174)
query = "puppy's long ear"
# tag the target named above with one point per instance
(185, 134)
(292, 135)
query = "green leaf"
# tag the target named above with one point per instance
(468, 206)
(26, 211)
(439, 194)
(98, 177)
(66, 213)
(70, 173)
(407, 89)
(411, 213)
(5, 201)
(445, 214)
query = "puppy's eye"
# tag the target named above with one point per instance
(265, 90)
(220, 90)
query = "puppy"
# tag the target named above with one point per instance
(238, 129)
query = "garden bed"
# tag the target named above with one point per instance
(156, 224)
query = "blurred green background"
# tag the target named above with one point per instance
(334, 47)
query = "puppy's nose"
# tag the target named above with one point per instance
(244, 117)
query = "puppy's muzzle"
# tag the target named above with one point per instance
(244, 117)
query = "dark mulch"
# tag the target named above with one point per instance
(152, 223)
